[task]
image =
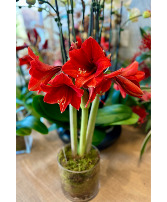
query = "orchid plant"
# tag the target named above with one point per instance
(82, 79)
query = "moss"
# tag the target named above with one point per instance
(79, 186)
(78, 163)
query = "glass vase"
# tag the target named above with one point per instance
(23, 144)
(80, 185)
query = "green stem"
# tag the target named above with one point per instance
(110, 39)
(73, 130)
(84, 123)
(90, 29)
(72, 11)
(119, 39)
(91, 123)
(83, 14)
(102, 22)
(130, 19)
(97, 23)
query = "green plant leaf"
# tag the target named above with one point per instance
(146, 139)
(132, 120)
(114, 113)
(32, 123)
(142, 32)
(148, 125)
(98, 136)
(23, 131)
(51, 111)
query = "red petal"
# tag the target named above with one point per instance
(59, 95)
(114, 74)
(92, 95)
(118, 87)
(79, 40)
(131, 69)
(102, 64)
(61, 79)
(34, 84)
(92, 49)
(129, 87)
(76, 100)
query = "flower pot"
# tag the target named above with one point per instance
(79, 185)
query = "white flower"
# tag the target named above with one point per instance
(134, 12)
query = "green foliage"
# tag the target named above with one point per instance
(28, 123)
(114, 113)
(51, 112)
(142, 32)
(132, 120)
(146, 139)
(23, 131)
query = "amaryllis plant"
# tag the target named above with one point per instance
(79, 83)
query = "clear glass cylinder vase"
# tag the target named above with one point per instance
(80, 185)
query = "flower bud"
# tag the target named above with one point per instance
(147, 14)
(31, 2)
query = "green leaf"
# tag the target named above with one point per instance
(142, 32)
(98, 136)
(132, 120)
(23, 131)
(32, 123)
(28, 104)
(50, 111)
(114, 113)
(148, 125)
(18, 92)
(143, 57)
(146, 139)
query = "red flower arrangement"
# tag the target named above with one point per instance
(86, 66)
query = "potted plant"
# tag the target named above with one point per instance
(79, 83)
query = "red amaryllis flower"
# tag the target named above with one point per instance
(40, 73)
(25, 60)
(147, 96)
(21, 47)
(62, 91)
(141, 112)
(128, 80)
(146, 42)
(87, 63)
